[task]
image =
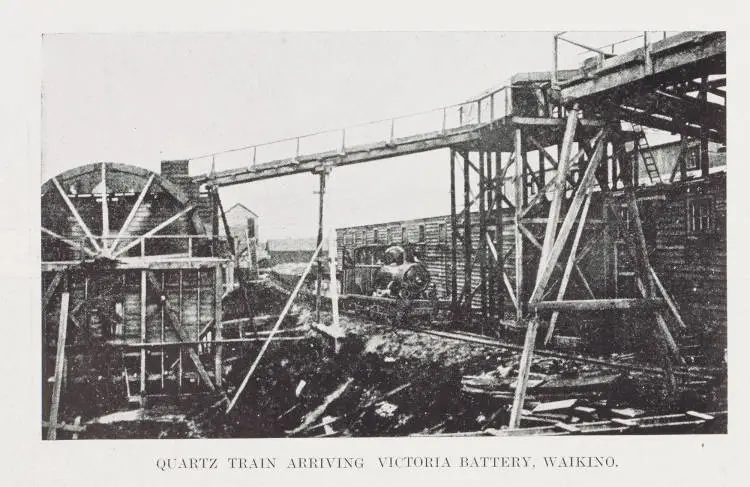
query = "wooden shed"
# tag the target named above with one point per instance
(131, 280)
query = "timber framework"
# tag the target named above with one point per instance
(543, 171)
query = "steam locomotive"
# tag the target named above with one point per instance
(388, 282)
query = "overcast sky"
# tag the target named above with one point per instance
(141, 98)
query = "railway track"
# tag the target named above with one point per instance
(683, 372)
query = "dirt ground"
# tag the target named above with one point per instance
(384, 381)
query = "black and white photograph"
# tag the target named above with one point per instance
(383, 234)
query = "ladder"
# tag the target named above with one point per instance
(645, 150)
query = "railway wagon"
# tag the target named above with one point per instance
(684, 226)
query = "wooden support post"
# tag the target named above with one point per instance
(179, 319)
(334, 292)
(523, 373)
(218, 334)
(679, 164)
(488, 221)
(563, 167)
(105, 210)
(499, 240)
(319, 270)
(526, 175)
(162, 337)
(703, 99)
(454, 239)
(635, 166)
(518, 185)
(62, 329)
(51, 289)
(568, 268)
(214, 220)
(143, 335)
(482, 236)
(467, 240)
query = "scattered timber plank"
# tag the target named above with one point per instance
(600, 304)
(555, 405)
(698, 415)
(315, 414)
(76, 427)
(569, 428)
(628, 412)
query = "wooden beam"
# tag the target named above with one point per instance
(76, 215)
(467, 239)
(568, 268)
(51, 289)
(105, 209)
(143, 334)
(558, 266)
(518, 148)
(705, 116)
(667, 297)
(70, 243)
(548, 264)
(454, 238)
(353, 155)
(506, 280)
(542, 150)
(559, 189)
(482, 237)
(499, 227)
(548, 157)
(491, 272)
(62, 332)
(680, 52)
(600, 304)
(177, 325)
(333, 291)
(318, 270)
(218, 336)
(137, 263)
(524, 367)
(553, 122)
(465, 156)
(132, 213)
(154, 230)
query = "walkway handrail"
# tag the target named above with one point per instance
(482, 109)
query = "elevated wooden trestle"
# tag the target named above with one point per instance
(551, 160)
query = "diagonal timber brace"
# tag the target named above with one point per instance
(547, 265)
(175, 321)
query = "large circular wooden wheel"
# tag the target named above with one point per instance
(107, 210)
